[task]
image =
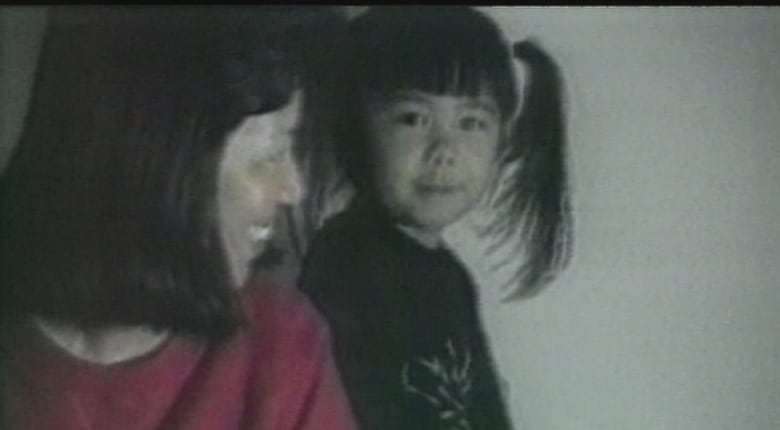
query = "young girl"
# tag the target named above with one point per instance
(158, 148)
(434, 98)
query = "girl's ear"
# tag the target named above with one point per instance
(498, 168)
(507, 129)
(493, 180)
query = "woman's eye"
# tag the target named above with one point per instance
(268, 161)
(277, 157)
(259, 166)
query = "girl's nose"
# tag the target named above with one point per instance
(442, 151)
(442, 156)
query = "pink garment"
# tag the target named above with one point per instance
(277, 373)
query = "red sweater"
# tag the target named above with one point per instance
(276, 373)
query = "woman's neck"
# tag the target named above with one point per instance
(102, 346)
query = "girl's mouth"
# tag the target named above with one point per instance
(436, 188)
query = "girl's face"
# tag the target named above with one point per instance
(257, 175)
(433, 155)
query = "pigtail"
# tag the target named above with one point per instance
(534, 199)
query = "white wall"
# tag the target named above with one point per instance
(669, 317)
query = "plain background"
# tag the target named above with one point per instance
(669, 315)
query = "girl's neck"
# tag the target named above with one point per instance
(102, 346)
(430, 239)
(368, 206)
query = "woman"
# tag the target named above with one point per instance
(158, 148)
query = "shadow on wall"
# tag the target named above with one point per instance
(21, 31)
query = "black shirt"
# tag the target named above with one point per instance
(407, 336)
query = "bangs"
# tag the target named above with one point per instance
(433, 71)
(443, 51)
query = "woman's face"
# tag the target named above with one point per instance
(434, 155)
(257, 175)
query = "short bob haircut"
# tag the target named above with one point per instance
(108, 205)
(460, 51)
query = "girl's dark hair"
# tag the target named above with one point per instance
(458, 50)
(108, 205)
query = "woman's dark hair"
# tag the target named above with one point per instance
(458, 50)
(108, 205)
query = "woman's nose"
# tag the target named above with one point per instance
(289, 185)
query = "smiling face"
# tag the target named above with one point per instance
(434, 155)
(257, 175)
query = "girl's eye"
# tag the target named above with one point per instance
(413, 119)
(472, 123)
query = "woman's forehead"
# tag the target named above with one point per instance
(284, 118)
(258, 133)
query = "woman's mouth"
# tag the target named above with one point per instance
(260, 232)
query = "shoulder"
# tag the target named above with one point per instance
(292, 378)
(336, 250)
(350, 240)
(279, 316)
(337, 235)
